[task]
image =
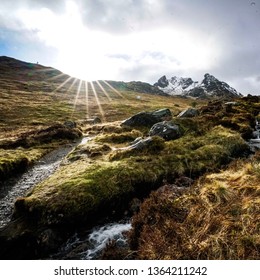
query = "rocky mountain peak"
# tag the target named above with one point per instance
(162, 82)
(208, 87)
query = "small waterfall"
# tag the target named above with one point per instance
(257, 127)
(90, 246)
(100, 237)
(255, 141)
(256, 133)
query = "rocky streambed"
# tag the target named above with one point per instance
(19, 185)
(84, 243)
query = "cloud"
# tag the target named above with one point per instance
(57, 5)
(139, 39)
(119, 17)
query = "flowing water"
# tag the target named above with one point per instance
(89, 245)
(86, 245)
(255, 142)
(16, 187)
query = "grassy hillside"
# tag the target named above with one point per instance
(34, 98)
(215, 218)
(218, 218)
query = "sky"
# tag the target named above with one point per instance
(139, 40)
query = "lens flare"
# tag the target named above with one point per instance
(76, 97)
(82, 94)
(86, 99)
(71, 86)
(98, 101)
(116, 91)
(104, 91)
(56, 76)
(62, 85)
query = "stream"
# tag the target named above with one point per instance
(89, 244)
(254, 142)
(86, 244)
(16, 187)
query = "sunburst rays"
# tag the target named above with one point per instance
(86, 99)
(116, 91)
(76, 97)
(63, 84)
(85, 93)
(98, 101)
(104, 91)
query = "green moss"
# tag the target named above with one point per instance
(119, 138)
(13, 161)
(153, 147)
(90, 149)
(82, 189)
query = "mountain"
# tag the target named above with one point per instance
(11, 68)
(20, 71)
(24, 72)
(137, 86)
(208, 87)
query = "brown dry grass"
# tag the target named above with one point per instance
(29, 105)
(219, 218)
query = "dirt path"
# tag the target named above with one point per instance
(20, 185)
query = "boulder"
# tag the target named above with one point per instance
(163, 114)
(94, 120)
(148, 119)
(141, 119)
(70, 124)
(140, 143)
(166, 130)
(189, 113)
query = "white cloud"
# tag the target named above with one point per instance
(139, 39)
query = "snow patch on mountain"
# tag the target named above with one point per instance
(209, 86)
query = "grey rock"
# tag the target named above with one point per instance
(189, 113)
(166, 130)
(141, 143)
(141, 119)
(163, 114)
(70, 124)
(148, 119)
(94, 120)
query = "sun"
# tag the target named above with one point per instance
(91, 54)
(80, 52)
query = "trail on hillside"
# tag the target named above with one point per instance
(21, 184)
